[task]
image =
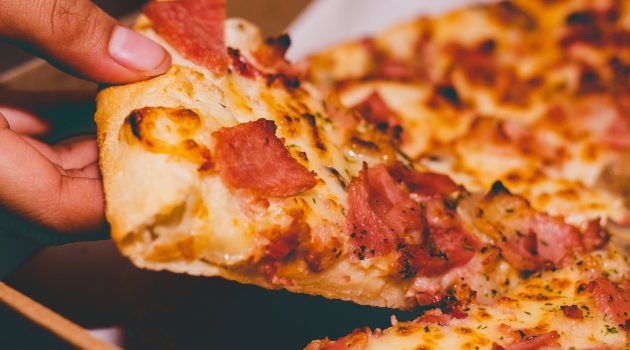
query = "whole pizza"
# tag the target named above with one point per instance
(474, 167)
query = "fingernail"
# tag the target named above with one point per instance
(137, 52)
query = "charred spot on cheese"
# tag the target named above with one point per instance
(272, 56)
(317, 139)
(337, 175)
(580, 18)
(169, 131)
(174, 123)
(364, 144)
(250, 156)
(271, 53)
(405, 329)
(592, 27)
(590, 82)
(280, 43)
(497, 188)
(445, 95)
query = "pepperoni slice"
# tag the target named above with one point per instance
(380, 212)
(195, 28)
(251, 156)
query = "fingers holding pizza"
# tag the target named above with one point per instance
(58, 186)
(80, 38)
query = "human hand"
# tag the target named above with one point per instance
(58, 186)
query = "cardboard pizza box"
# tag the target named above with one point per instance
(93, 292)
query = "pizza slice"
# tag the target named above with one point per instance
(233, 165)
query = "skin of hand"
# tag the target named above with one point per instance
(58, 186)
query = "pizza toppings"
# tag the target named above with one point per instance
(376, 111)
(240, 64)
(572, 311)
(532, 342)
(529, 240)
(611, 300)
(556, 240)
(356, 340)
(595, 236)
(423, 183)
(343, 120)
(510, 14)
(323, 247)
(271, 54)
(380, 213)
(478, 62)
(445, 245)
(382, 216)
(194, 28)
(283, 241)
(273, 69)
(435, 316)
(250, 156)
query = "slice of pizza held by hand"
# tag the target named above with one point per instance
(232, 165)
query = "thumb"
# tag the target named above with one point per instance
(82, 39)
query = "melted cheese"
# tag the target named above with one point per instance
(534, 305)
(225, 226)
